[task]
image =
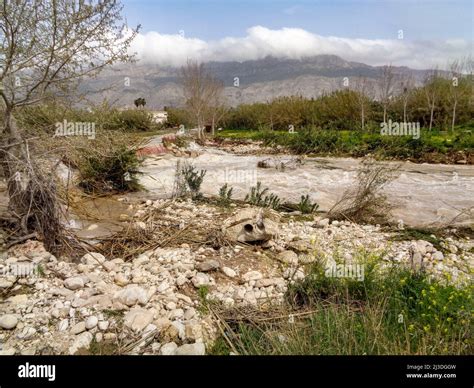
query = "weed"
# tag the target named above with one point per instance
(305, 206)
(259, 197)
(225, 195)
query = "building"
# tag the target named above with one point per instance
(159, 116)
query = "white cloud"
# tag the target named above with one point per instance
(296, 43)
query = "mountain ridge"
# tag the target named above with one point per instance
(245, 82)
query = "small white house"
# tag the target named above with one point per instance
(159, 116)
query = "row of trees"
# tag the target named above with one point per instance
(442, 100)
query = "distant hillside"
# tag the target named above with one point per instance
(259, 80)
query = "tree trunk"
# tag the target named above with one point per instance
(431, 117)
(405, 111)
(12, 155)
(454, 116)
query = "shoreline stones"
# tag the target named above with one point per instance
(159, 291)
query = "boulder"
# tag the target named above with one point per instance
(209, 265)
(252, 225)
(82, 341)
(74, 283)
(132, 295)
(8, 321)
(138, 319)
(196, 349)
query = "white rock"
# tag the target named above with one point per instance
(137, 319)
(176, 314)
(103, 325)
(193, 331)
(121, 280)
(93, 258)
(7, 352)
(229, 272)
(63, 325)
(91, 322)
(4, 283)
(31, 351)
(252, 275)
(82, 341)
(196, 349)
(163, 287)
(8, 321)
(168, 349)
(208, 265)
(181, 280)
(189, 313)
(27, 333)
(201, 279)
(109, 266)
(323, 223)
(288, 257)
(132, 295)
(74, 283)
(239, 293)
(78, 328)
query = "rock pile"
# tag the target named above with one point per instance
(151, 304)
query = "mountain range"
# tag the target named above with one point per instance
(245, 82)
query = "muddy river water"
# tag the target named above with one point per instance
(423, 194)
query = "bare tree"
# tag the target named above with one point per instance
(46, 47)
(364, 94)
(456, 68)
(217, 104)
(431, 89)
(201, 91)
(407, 84)
(386, 84)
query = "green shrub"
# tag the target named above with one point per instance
(193, 179)
(225, 195)
(394, 311)
(259, 197)
(305, 206)
(130, 120)
(108, 163)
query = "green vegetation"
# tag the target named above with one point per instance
(391, 312)
(258, 197)
(225, 195)
(108, 163)
(188, 180)
(43, 118)
(344, 109)
(436, 147)
(305, 206)
(408, 234)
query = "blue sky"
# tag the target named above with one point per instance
(370, 19)
(434, 31)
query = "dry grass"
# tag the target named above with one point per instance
(148, 233)
(365, 203)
